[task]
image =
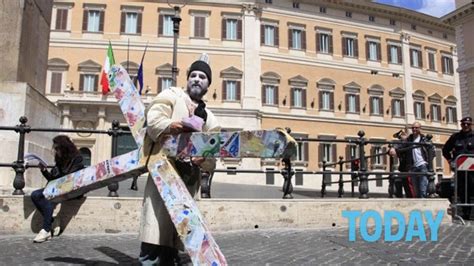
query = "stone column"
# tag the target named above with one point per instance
(457, 88)
(252, 66)
(407, 81)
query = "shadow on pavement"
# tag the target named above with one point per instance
(119, 257)
(68, 209)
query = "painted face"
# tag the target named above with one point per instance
(197, 84)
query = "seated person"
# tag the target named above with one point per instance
(68, 160)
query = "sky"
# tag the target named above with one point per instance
(435, 8)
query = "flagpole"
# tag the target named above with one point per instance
(128, 51)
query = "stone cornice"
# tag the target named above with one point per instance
(457, 16)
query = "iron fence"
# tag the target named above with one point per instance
(359, 165)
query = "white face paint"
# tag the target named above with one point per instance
(197, 84)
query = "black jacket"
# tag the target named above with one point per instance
(74, 165)
(405, 152)
(459, 143)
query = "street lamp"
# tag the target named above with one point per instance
(176, 21)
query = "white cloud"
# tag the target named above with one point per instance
(437, 8)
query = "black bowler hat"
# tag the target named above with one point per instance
(467, 120)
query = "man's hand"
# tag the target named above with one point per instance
(198, 160)
(176, 128)
(42, 167)
(392, 152)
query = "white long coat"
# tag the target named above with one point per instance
(169, 106)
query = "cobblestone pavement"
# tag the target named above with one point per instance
(252, 247)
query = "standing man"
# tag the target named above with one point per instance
(417, 158)
(404, 182)
(461, 142)
(158, 236)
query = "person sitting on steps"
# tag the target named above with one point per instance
(68, 160)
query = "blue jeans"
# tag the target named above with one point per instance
(45, 207)
(420, 182)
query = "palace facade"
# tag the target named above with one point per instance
(324, 68)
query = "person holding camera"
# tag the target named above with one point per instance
(404, 182)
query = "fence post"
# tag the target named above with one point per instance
(340, 191)
(323, 184)
(287, 174)
(19, 167)
(114, 132)
(364, 183)
(431, 178)
(391, 178)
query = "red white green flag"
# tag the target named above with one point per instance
(109, 61)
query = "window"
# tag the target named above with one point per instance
(447, 65)
(231, 90)
(431, 61)
(352, 103)
(231, 29)
(376, 105)
(298, 98)
(413, 26)
(373, 51)
(419, 110)
(165, 25)
(445, 35)
(296, 5)
(377, 159)
(302, 151)
(270, 95)
(435, 112)
(61, 19)
(392, 22)
(56, 82)
(327, 151)
(164, 83)
(324, 42)
(451, 115)
(125, 142)
(88, 82)
(86, 156)
(322, 9)
(394, 54)
(297, 39)
(268, 1)
(415, 58)
(348, 14)
(269, 35)
(326, 101)
(93, 19)
(131, 22)
(350, 47)
(371, 18)
(398, 108)
(200, 26)
(352, 152)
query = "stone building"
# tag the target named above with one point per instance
(327, 69)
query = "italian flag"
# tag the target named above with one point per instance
(109, 61)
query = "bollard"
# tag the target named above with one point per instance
(114, 132)
(19, 167)
(323, 184)
(287, 173)
(364, 183)
(340, 191)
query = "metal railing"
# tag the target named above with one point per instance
(358, 176)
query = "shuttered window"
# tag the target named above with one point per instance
(56, 80)
(61, 19)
